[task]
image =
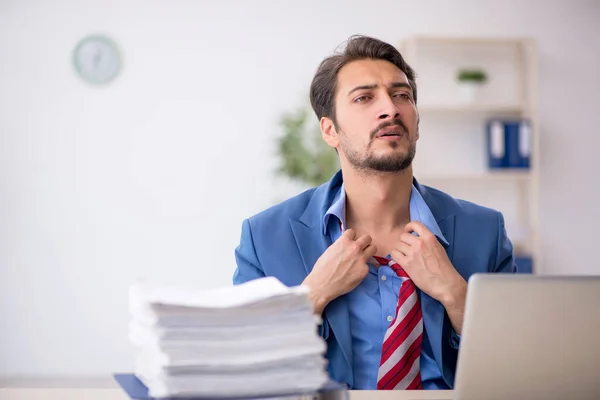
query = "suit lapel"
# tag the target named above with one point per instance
(312, 243)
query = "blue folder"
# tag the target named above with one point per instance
(136, 390)
(524, 264)
(496, 142)
(508, 143)
(518, 143)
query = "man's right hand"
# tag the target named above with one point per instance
(339, 269)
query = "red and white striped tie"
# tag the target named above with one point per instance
(399, 367)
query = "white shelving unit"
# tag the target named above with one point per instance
(452, 153)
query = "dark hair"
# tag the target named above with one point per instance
(358, 47)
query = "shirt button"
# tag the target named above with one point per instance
(383, 277)
(390, 318)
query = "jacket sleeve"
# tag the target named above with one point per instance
(505, 261)
(248, 266)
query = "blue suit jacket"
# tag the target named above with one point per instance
(286, 240)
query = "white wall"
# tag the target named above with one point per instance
(152, 176)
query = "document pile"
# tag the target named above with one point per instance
(255, 339)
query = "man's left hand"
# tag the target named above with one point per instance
(425, 261)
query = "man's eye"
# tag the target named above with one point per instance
(403, 95)
(361, 99)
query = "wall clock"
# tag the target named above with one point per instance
(97, 59)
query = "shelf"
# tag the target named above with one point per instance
(491, 176)
(457, 163)
(466, 40)
(475, 109)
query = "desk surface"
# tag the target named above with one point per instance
(117, 394)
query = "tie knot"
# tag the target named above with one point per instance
(382, 260)
(393, 265)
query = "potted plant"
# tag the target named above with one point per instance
(303, 154)
(470, 81)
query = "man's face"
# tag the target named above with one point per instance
(376, 117)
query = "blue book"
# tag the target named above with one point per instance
(136, 390)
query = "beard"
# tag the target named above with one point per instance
(396, 162)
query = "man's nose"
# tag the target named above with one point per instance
(388, 109)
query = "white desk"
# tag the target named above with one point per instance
(401, 395)
(117, 394)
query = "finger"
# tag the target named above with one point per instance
(364, 241)
(370, 251)
(418, 228)
(403, 248)
(409, 239)
(400, 258)
(349, 234)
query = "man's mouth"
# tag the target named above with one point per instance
(391, 131)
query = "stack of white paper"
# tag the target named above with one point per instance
(255, 339)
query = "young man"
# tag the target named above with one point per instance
(386, 259)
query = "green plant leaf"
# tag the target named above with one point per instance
(471, 75)
(303, 155)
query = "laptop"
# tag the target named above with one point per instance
(530, 337)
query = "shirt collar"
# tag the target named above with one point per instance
(419, 211)
(337, 209)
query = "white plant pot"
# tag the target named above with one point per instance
(469, 92)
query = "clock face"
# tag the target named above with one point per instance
(97, 59)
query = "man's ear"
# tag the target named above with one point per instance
(328, 132)
(418, 122)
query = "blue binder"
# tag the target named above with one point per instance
(508, 143)
(518, 135)
(136, 390)
(524, 264)
(496, 144)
